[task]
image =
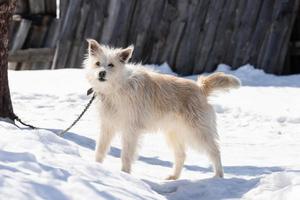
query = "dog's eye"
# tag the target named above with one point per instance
(98, 63)
(110, 65)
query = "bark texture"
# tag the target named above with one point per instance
(6, 11)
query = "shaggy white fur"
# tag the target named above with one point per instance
(135, 100)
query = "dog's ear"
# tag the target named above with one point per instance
(125, 54)
(94, 47)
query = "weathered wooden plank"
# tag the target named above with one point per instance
(22, 7)
(223, 34)
(92, 27)
(295, 51)
(95, 21)
(61, 55)
(113, 11)
(21, 34)
(37, 33)
(31, 55)
(37, 6)
(52, 33)
(248, 23)
(296, 29)
(184, 61)
(73, 61)
(154, 44)
(50, 7)
(24, 66)
(145, 30)
(284, 16)
(256, 45)
(13, 31)
(199, 44)
(37, 40)
(50, 41)
(63, 7)
(283, 55)
(228, 58)
(12, 65)
(118, 32)
(139, 29)
(212, 22)
(296, 44)
(162, 47)
(174, 32)
(67, 35)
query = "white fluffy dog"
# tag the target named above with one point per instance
(135, 100)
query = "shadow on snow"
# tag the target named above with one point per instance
(116, 152)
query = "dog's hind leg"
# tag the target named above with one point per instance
(206, 140)
(129, 146)
(104, 141)
(178, 147)
(213, 152)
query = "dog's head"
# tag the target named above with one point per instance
(105, 66)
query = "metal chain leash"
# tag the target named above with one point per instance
(74, 122)
(79, 117)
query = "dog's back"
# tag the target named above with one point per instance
(148, 93)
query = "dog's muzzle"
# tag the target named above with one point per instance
(102, 75)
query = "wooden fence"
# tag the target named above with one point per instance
(293, 57)
(34, 35)
(193, 36)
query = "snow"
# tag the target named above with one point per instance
(259, 127)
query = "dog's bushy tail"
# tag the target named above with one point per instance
(218, 82)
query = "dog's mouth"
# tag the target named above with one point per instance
(101, 79)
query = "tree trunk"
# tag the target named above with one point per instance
(6, 12)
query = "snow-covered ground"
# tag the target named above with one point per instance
(259, 127)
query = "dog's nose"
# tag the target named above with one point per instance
(102, 74)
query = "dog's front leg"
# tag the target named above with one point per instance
(129, 146)
(103, 144)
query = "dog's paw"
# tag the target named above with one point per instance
(218, 176)
(99, 159)
(172, 177)
(126, 169)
